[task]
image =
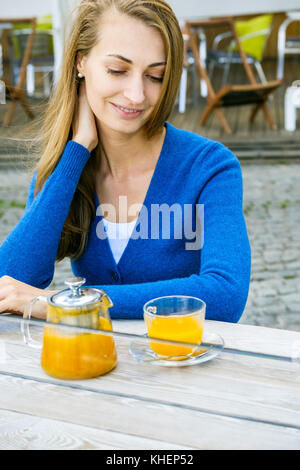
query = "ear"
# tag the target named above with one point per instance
(80, 63)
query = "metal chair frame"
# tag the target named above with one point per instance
(231, 57)
(286, 45)
(189, 65)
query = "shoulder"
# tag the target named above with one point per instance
(198, 151)
(189, 139)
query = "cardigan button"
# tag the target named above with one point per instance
(115, 276)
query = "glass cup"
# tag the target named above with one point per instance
(176, 318)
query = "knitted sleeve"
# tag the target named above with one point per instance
(29, 252)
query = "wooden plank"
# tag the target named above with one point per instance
(251, 389)
(231, 385)
(248, 337)
(261, 339)
(19, 431)
(176, 425)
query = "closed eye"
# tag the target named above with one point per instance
(156, 79)
(117, 72)
(120, 72)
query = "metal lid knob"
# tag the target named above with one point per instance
(75, 283)
(76, 296)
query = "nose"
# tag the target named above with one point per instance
(134, 90)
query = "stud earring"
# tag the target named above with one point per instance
(80, 75)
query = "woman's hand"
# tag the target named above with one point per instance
(15, 295)
(84, 124)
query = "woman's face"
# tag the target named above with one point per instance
(124, 72)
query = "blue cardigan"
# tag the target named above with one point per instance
(191, 172)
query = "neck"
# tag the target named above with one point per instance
(124, 154)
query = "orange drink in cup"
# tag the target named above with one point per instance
(178, 319)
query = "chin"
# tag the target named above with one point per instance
(125, 127)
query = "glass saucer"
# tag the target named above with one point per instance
(213, 344)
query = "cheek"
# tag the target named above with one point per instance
(93, 98)
(153, 92)
(98, 86)
(96, 95)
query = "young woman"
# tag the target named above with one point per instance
(142, 209)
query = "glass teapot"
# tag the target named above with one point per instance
(74, 353)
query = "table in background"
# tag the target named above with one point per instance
(238, 400)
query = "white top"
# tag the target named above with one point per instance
(118, 236)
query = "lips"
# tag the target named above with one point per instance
(127, 112)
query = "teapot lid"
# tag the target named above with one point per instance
(75, 296)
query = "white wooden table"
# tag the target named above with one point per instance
(235, 401)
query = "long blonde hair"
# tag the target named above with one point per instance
(56, 129)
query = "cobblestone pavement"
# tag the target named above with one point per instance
(272, 211)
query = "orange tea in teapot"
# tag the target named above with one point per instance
(71, 355)
(70, 349)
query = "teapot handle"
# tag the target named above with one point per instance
(110, 302)
(25, 326)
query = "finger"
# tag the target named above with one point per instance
(4, 307)
(5, 291)
(4, 280)
(10, 288)
(9, 307)
(9, 282)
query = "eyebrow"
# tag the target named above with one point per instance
(156, 64)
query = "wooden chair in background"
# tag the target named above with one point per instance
(16, 91)
(231, 95)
